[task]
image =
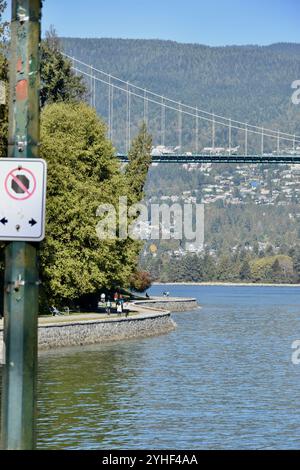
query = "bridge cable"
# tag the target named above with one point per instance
(177, 103)
(109, 107)
(213, 132)
(197, 132)
(145, 108)
(287, 139)
(229, 137)
(163, 122)
(180, 127)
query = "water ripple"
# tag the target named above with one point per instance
(224, 379)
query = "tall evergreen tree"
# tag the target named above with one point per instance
(245, 271)
(139, 163)
(136, 174)
(58, 81)
(276, 271)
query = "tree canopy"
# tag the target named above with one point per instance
(139, 162)
(140, 281)
(82, 174)
(58, 81)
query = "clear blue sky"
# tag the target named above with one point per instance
(212, 22)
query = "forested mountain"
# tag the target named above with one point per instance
(247, 83)
(250, 234)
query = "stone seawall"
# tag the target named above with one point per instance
(149, 318)
(89, 332)
(173, 304)
(56, 334)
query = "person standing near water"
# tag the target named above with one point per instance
(119, 308)
(108, 306)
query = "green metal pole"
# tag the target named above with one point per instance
(21, 273)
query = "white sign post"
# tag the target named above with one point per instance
(22, 199)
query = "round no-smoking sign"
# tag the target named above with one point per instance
(20, 184)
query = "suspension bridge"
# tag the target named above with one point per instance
(201, 136)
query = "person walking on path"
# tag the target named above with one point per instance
(119, 308)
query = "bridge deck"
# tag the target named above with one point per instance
(282, 159)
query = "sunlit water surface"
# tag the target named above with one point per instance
(223, 379)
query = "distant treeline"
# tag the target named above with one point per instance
(231, 267)
(242, 243)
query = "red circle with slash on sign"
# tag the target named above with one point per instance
(20, 184)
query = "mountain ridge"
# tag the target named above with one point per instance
(247, 83)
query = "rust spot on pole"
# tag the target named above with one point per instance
(22, 90)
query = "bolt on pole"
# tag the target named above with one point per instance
(21, 273)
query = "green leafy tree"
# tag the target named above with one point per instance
(82, 174)
(277, 268)
(58, 81)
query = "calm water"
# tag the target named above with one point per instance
(224, 379)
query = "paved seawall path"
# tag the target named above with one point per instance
(147, 318)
